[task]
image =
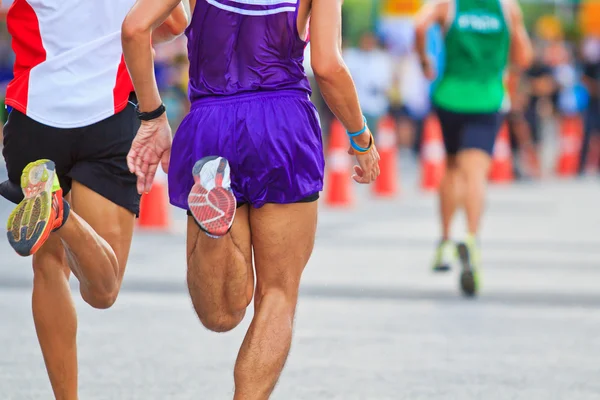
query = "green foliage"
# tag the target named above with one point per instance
(359, 16)
(533, 11)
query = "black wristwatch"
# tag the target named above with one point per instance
(147, 116)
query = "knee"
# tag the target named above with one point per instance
(100, 300)
(216, 316)
(51, 262)
(101, 294)
(277, 301)
(220, 322)
(475, 174)
(474, 163)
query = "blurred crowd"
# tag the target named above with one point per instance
(564, 81)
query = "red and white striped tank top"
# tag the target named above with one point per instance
(69, 70)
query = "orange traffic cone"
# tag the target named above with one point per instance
(338, 168)
(502, 165)
(154, 208)
(433, 155)
(387, 182)
(571, 136)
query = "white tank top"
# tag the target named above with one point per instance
(69, 70)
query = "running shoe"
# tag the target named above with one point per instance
(211, 201)
(468, 252)
(40, 212)
(444, 256)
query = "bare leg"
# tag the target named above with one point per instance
(451, 195)
(527, 147)
(55, 318)
(474, 166)
(283, 240)
(94, 245)
(97, 236)
(220, 274)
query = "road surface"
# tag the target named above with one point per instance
(373, 322)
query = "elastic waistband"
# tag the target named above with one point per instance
(249, 96)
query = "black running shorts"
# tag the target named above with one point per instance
(463, 131)
(94, 156)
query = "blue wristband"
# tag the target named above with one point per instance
(352, 135)
(359, 149)
(359, 132)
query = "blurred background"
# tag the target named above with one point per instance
(373, 322)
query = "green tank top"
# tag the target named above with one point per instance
(477, 45)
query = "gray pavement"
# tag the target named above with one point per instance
(373, 322)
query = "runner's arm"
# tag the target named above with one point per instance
(174, 25)
(136, 35)
(430, 14)
(521, 50)
(330, 71)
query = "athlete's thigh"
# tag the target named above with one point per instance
(283, 237)
(207, 252)
(112, 222)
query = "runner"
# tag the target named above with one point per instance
(591, 115)
(480, 38)
(70, 126)
(250, 147)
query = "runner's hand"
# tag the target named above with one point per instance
(367, 169)
(428, 69)
(152, 145)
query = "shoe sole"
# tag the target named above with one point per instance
(29, 225)
(214, 209)
(467, 277)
